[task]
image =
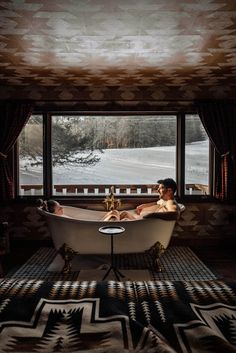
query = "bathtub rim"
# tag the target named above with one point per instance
(165, 216)
(81, 220)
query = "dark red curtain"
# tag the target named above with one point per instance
(13, 117)
(218, 118)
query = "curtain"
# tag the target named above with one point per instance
(13, 117)
(218, 118)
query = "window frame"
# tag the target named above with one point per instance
(180, 158)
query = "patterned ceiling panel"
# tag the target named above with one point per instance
(185, 44)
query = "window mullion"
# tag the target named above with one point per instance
(211, 180)
(180, 154)
(47, 160)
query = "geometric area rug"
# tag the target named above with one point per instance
(178, 263)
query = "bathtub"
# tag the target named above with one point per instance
(78, 229)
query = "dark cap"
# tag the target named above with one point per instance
(168, 183)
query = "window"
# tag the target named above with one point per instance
(87, 154)
(31, 157)
(196, 156)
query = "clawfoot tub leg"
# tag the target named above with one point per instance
(67, 254)
(156, 251)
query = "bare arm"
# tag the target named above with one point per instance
(144, 206)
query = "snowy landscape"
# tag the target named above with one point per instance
(127, 166)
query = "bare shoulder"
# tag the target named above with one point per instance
(171, 205)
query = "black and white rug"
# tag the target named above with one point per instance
(178, 264)
(117, 317)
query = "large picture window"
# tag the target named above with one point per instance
(87, 154)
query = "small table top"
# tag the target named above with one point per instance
(111, 230)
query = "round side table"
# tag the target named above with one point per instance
(112, 231)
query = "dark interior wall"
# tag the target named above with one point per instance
(117, 93)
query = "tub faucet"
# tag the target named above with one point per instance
(111, 203)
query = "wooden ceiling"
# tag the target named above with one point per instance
(172, 47)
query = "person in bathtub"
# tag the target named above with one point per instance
(51, 206)
(166, 203)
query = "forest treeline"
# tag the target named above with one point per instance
(125, 132)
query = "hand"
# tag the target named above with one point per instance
(139, 208)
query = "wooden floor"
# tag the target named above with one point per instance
(221, 260)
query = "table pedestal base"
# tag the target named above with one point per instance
(116, 272)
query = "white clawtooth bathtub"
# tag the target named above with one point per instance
(78, 228)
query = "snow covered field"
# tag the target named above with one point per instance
(129, 166)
